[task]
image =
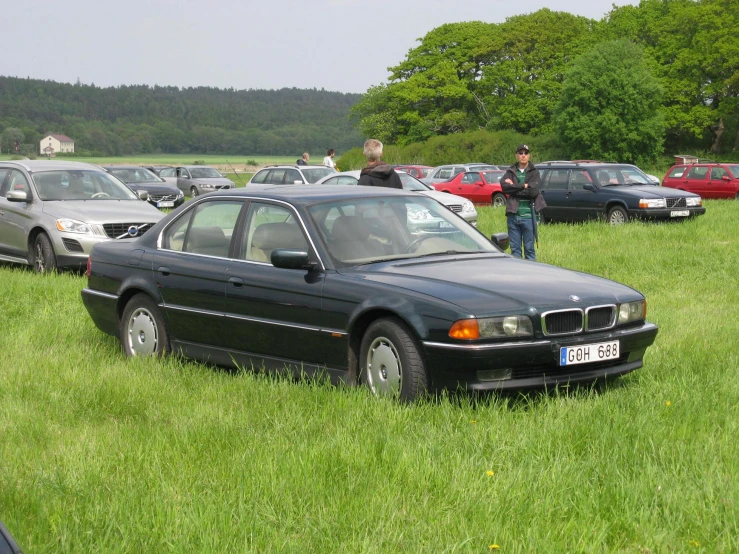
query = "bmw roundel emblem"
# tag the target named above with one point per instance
(133, 231)
(574, 298)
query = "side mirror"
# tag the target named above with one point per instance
(17, 196)
(286, 258)
(501, 240)
(297, 182)
(480, 183)
(726, 178)
(143, 194)
(589, 186)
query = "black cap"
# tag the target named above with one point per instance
(522, 147)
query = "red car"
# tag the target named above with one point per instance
(417, 171)
(481, 187)
(710, 180)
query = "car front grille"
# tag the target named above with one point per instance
(72, 245)
(600, 317)
(676, 203)
(562, 322)
(218, 187)
(120, 230)
(455, 207)
(162, 197)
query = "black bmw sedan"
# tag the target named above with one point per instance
(578, 191)
(384, 287)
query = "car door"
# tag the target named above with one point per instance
(191, 271)
(582, 203)
(277, 312)
(554, 191)
(183, 179)
(470, 185)
(719, 183)
(696, 180)
(14, 216)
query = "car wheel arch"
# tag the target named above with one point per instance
(614, 203)
(129, 292)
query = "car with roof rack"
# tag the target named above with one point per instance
(444, 173)
(289, 174)
(53, 212)
(579, 191)
(707, 178)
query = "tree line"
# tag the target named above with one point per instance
(140, 119)
(659, 77)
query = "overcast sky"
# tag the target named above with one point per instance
(338, 45)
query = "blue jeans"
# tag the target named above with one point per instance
(521, 233)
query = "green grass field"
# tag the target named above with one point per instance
(104, 454)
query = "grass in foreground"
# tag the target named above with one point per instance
(105, 454)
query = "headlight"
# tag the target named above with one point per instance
(652, 203)
(418, 215)
(205, 185)
(468, 207)
(73, 226)
(180, 193)
(693, 201)
(492, 327)
(632, 311)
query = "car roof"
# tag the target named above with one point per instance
(295, 166)
(309, 194)
(124, 167)
(49, 165)
(581, 164)
(196, 166)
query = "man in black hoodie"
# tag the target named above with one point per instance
(377, 173)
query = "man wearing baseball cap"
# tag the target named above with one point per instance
(521, 183)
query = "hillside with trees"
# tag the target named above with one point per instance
(140, 119)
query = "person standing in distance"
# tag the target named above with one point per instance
(304, 159)
(521, 183)
(377, 173)
(328, 161)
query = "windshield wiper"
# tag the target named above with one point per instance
(448, 252)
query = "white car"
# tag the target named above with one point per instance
(457, 204)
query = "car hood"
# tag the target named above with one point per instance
(444, 197)
(154, 188)
(104, 211)
(494, 284)
(214, 181)
(652, 191)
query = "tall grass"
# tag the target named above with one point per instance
(104, 454)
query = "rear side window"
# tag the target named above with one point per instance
(697, 172)
(259, 177)
(677, 171)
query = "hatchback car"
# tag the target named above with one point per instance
(457, 204)
(710, 180)
(196, 179)
(333, 281)
(445, 172)
(52, 213)
(614, 192)
(160, 193)
(289, 175)
(480, 187)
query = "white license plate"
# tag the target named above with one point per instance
(165, 204)
(588, 353)
(679, 213)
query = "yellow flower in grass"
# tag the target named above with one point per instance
(494, 547)
(473, 421)
(489, 473)
(668, 403)
(695, 543)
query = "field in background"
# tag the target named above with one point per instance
(104, 454)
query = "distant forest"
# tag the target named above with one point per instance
(139, 119)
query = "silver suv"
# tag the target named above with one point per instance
(290, 175)
(444, 173)
(52, 213)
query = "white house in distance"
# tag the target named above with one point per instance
(53, 144)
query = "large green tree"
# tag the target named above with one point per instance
(609, 106)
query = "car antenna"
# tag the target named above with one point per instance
(234, 170)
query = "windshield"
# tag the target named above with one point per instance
(135, 175)
(619, 175)
(411, 183)
(80, 185)
(358, 231)
(314, 174)
(204, 173)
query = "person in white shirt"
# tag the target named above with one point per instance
(328, 161)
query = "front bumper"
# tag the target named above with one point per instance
(667, 213)
(533, 363)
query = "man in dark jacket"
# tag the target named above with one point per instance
(521, 183)
(377, 173)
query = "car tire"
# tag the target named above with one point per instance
(44, 260)
(617, 215)
(499, 200)
(194, 191)
(391, 363)
(142, 328)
